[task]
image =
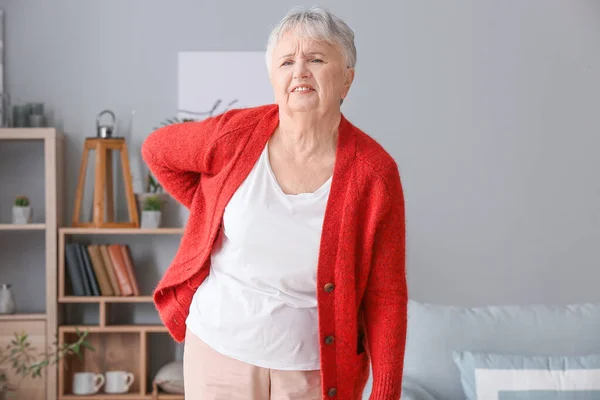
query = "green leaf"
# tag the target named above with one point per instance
(88, 345)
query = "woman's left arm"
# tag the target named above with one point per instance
(386, 296)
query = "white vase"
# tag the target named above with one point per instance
(21, 215)
(7, 299)
(150, 219)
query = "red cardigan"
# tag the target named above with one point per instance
(361, 284)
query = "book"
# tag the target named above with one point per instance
(74, 271)
(129, 266)
(116, 257)
(87, 289)
(88, 270)
(110, 269)
(100, 270)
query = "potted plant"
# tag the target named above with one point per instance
(21, 211)
(152, 188)
(19, 355)
(151, 213)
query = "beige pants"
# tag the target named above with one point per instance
(209, 375)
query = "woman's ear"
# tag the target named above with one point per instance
(348, 79)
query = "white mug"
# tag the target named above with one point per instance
(87, 382)
(118, 381)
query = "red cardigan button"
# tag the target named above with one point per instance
(332, 392)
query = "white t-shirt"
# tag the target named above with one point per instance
(259, 301)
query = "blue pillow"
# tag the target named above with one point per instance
(435, 331)
(490, 376)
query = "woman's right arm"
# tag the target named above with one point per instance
(177, 154)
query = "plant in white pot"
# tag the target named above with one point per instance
(151, 212)
(152, 189)
(21, 211)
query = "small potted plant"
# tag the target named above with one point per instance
(151, 213)
(19, 356)
(152, 188)
(21, 212)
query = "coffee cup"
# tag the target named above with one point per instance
(118, 381)
(87, 383)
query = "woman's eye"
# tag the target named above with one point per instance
(286, 63)
(317, 60)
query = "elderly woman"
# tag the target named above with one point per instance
(289, 282)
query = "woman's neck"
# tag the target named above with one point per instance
(305, 135)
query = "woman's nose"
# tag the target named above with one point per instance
(301, 70)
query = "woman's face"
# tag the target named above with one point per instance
(308, 75)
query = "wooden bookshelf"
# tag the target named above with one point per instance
(41, 327)
(119, 346)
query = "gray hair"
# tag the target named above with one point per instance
(317, 24)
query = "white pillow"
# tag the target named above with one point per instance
(170, 377)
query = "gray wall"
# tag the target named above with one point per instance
(492, 110)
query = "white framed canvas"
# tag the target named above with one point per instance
(211, 82)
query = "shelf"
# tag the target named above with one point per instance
(27, 133)
(127, 396)
(112, 328)
(22, 227)
(106, 299)
(23, 317)
(121, 231)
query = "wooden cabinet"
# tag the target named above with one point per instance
(28, 253)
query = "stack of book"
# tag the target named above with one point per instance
(100, 270)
